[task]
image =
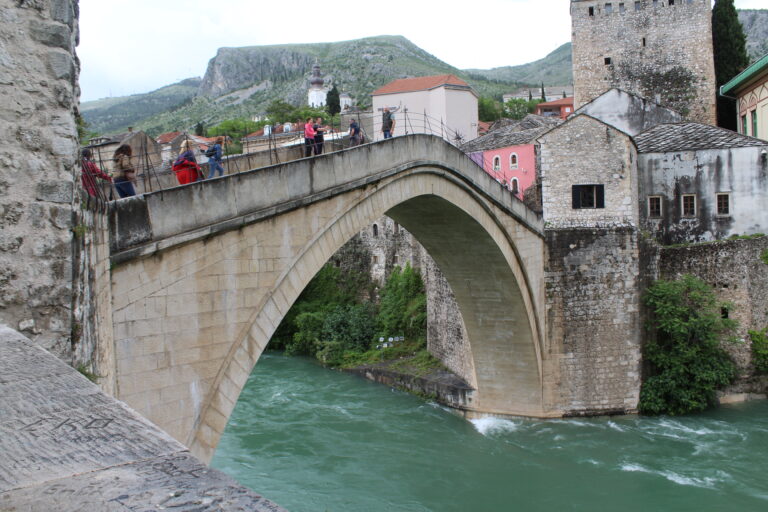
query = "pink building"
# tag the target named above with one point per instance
(509, 153)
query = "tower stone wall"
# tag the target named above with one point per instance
(658, 49)
(39, 91)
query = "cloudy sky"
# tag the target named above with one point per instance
(135, 46)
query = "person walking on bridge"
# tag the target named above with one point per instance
(214, 161)
(354, 133)
(309, 138)
(319, 139)
(387, 123)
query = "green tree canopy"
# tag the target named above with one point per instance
(518, 108)
(488, 109)
(730, 52)
(686, 363)
(332, 102)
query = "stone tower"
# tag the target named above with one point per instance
(658, 49)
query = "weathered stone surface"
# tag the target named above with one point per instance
(67, 446)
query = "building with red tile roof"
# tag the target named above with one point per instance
(442, 105)
(561, 108)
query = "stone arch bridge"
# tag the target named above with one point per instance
(203, 274)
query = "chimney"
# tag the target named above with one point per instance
(130, 129)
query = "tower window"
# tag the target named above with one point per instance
(638, 6)
(588, 196)
(654, 207)
(591, 11)
(671, 2)
(375, 230)
(622, 8)
(608, 8)
(723, 204)
(608, 61)
(689, 205)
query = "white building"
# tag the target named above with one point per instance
(441, 105)
(317, 93)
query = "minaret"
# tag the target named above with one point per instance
(317, 93)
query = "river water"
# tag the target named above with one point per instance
(315, 440)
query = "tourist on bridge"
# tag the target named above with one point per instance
(214, 160)
(387, 123)
(90, 172)
(185, 166)
(124, 170)
(319, 139)
(309, 137)
(354, 133)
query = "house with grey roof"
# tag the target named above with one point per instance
(681, 182)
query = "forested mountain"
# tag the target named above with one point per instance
(241, 82)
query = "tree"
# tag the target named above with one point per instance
(200, 129)
(530, 95)
(488, 109)
(332, 102)
(730, 51)
(543, 94)
(518, 108)
(686, 364)
(280, 111)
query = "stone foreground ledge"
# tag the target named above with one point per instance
(66, 446)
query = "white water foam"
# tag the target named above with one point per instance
(489, 426)
(706, 482)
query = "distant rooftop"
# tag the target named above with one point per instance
(665, 138)
(557, 103)
(421, 83)
(514, 133)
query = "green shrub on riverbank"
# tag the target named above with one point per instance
(334, 320)
(686, 363)
(760, 350)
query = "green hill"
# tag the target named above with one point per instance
(554, 69)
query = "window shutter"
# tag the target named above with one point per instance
(576, 194)
(600, 196)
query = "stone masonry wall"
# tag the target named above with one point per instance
(593, 284)
(39, 91)
(662, 52)
(736, 271)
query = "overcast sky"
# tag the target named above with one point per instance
(135, 46)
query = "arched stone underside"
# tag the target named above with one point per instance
(192, 324)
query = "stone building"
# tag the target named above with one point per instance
(658, 49)
(39, 90)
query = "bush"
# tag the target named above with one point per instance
(760, 350)
(403, 308)
(350, 325)
(307, 337)
(687, 365)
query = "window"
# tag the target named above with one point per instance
(395, 260)
(567, 110)
(644, 42)
(588, 196)
(655, 3)
(591, 11)
(654, 207)
(608, 8)
(723, 204)
(375, 260)
(497, 163)
(638, 6)
(671, 2)
(744, 124)
(397, 228)
(514, 186)
(513, 161)
(689, 205)
(754, 123)
(622, 8)
(375, 230)
(607, 61)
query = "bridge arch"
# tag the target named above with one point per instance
(491, 259)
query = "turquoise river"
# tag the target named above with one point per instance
(315, 440)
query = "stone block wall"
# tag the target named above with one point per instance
(662, 52)
(39, 91)
(593, 289)
(585, 151)
(736, 271)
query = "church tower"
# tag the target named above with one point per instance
(317, 93)
(658, 49)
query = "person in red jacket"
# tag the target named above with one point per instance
(90, 172)
(185, 166)
(309, 137)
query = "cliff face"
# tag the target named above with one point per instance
(755, 23)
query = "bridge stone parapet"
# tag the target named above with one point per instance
(152, 222)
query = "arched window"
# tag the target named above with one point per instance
(497, 163)
(513, 161)
(375, 230)
(514, 186)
